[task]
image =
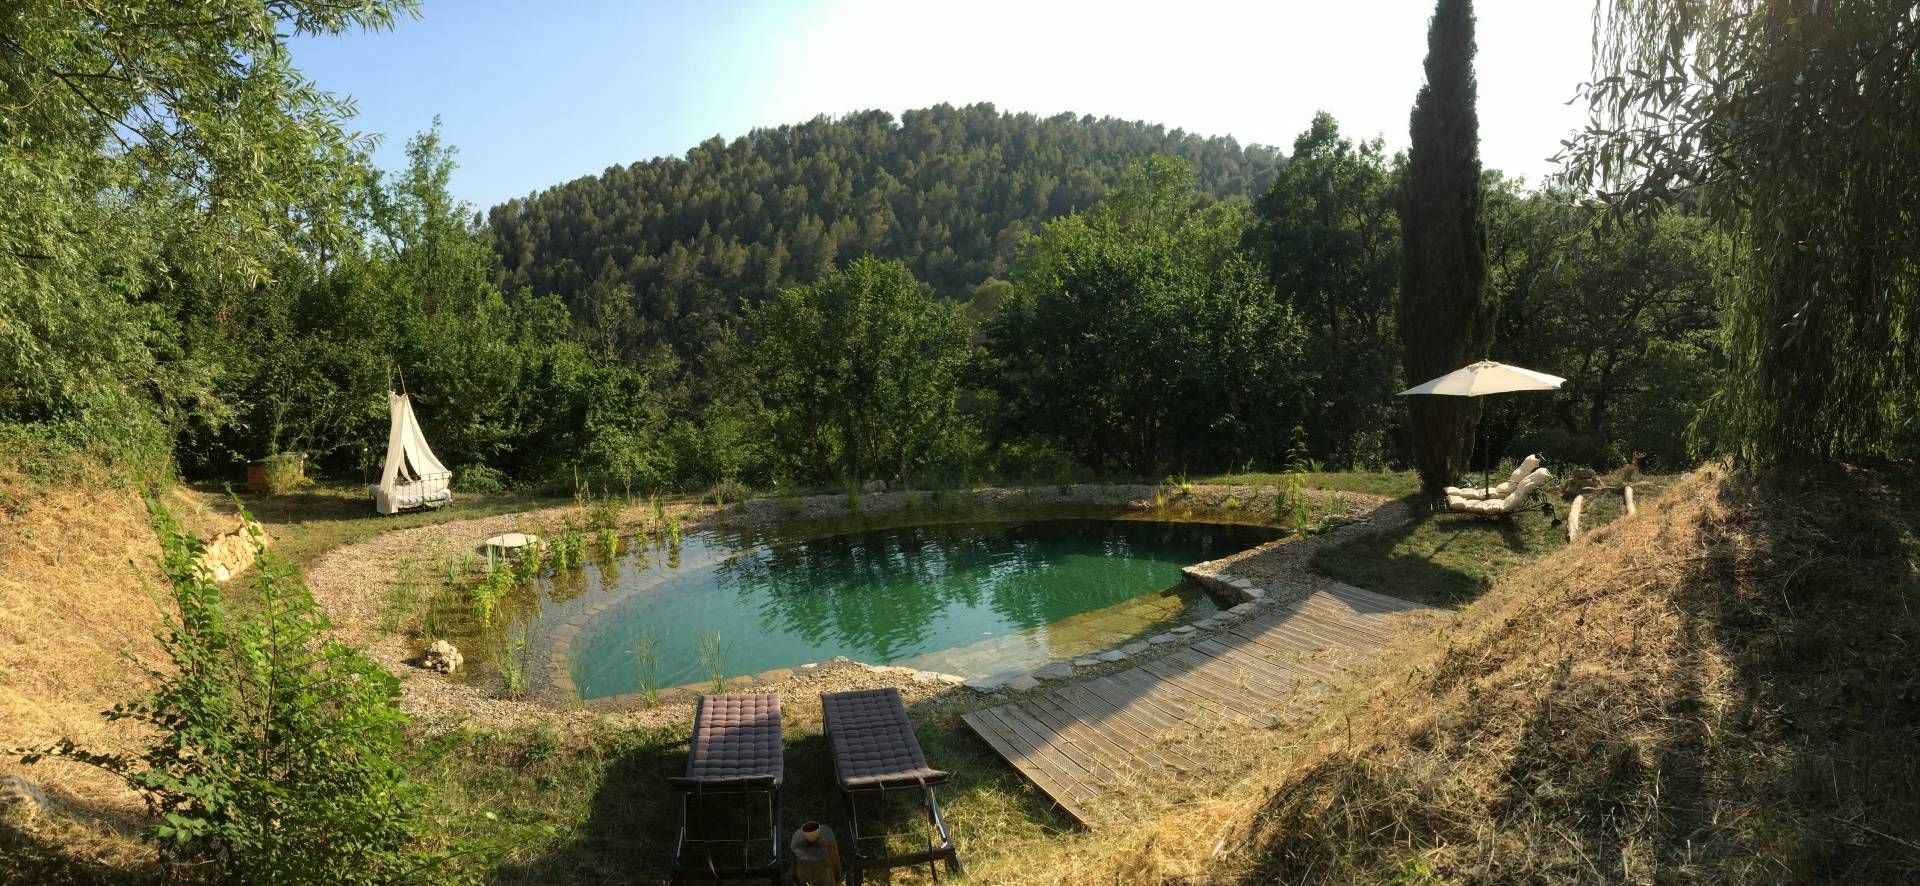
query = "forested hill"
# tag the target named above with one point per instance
(660, 250)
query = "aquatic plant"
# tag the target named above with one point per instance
(570, 545)
(713, 660)
(673, 530)
(609, 542)
(850, 493)
(510, 657)
(646, 659)
(486, 595)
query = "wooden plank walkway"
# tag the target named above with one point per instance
(1093, 738)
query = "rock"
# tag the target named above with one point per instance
(19, 796)
(443, 657)
(1133, 648)
(1162, 639)
(874, 487)
(1022, 683)
(1112, 655)
(988, 685)
(1242, 583)
(1058, 670)
(1243, 608)
(1086, 662)
(1208, 624)
(1254, 593)
(1185, 629)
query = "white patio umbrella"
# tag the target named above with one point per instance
(1486, 377)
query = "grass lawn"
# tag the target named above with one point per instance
(314, 520)
(597, 809)
(1392, 484)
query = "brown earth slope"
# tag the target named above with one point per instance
(79, 605)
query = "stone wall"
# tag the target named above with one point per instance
(230, 553)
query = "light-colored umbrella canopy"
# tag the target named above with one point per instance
(1487, 377)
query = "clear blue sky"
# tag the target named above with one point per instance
(534, 94)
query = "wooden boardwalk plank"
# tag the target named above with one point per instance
(1083, 743)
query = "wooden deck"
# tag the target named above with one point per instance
(1090, 739)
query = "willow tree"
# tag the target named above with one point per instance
(1795, 126)
(1446, 319)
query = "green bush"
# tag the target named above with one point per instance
(478, 479)
(275, 745)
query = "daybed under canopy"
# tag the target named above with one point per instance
(412, 477)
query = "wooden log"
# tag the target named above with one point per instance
(1627, 493)
(1573, 518)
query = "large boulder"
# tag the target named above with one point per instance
(443, 657)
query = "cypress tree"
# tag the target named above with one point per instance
(1446, 320)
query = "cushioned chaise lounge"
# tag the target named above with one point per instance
(735, 750)
(874, 751)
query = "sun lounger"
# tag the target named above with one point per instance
(735, 751)
(874, 751)
(1519, 500)
(1470, 493)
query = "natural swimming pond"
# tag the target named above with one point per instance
(973, 599)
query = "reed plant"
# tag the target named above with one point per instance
(646, 659)
(713, 660)
(510, 657)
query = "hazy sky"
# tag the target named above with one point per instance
(535, 94)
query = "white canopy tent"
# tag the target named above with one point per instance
(412, 477)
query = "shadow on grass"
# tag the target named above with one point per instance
(1438, 559)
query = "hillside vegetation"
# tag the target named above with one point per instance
(661, 251)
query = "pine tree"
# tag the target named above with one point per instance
(1446, 318)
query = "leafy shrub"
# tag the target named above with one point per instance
(275, 745)
(286, 473)
(1562, 449)
(478, 479)
(728, 491)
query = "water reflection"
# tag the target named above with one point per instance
(896, 594)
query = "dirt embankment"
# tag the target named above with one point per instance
(80, 604)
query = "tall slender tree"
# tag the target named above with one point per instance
(1446, 318)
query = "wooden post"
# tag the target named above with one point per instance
(1573, 518)
(1627, 492)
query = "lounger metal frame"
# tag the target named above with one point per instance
(857, 861)
(687, 789)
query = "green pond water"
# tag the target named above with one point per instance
(974, 599)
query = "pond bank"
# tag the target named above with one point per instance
(353, 583)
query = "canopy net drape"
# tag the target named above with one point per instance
(412, 477)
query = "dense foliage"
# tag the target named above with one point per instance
(1793, 125)
(1330, 236)
(158, 162)
(1139, 336)
(659, 254)
(1446, 320)
(859, 372)
(275, 750)
(1136, 301)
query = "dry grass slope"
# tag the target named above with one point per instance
(1721, 689)
(77, 602)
